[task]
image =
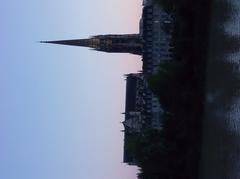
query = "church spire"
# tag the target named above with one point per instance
(91, 42)
(127, 43)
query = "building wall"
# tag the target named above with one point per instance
(156, 34)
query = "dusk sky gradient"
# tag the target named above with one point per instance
(60, 107)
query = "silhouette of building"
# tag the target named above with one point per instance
(153, 43)
(126, 43)
(142, 111)
(142, 108)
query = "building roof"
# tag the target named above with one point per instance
(131, 94)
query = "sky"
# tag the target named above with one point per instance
(60, 107)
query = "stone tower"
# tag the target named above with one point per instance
(127, 43)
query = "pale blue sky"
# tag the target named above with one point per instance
(60, 106)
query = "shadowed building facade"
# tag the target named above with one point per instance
(142, 111)
(142, 108)
(126, 43)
